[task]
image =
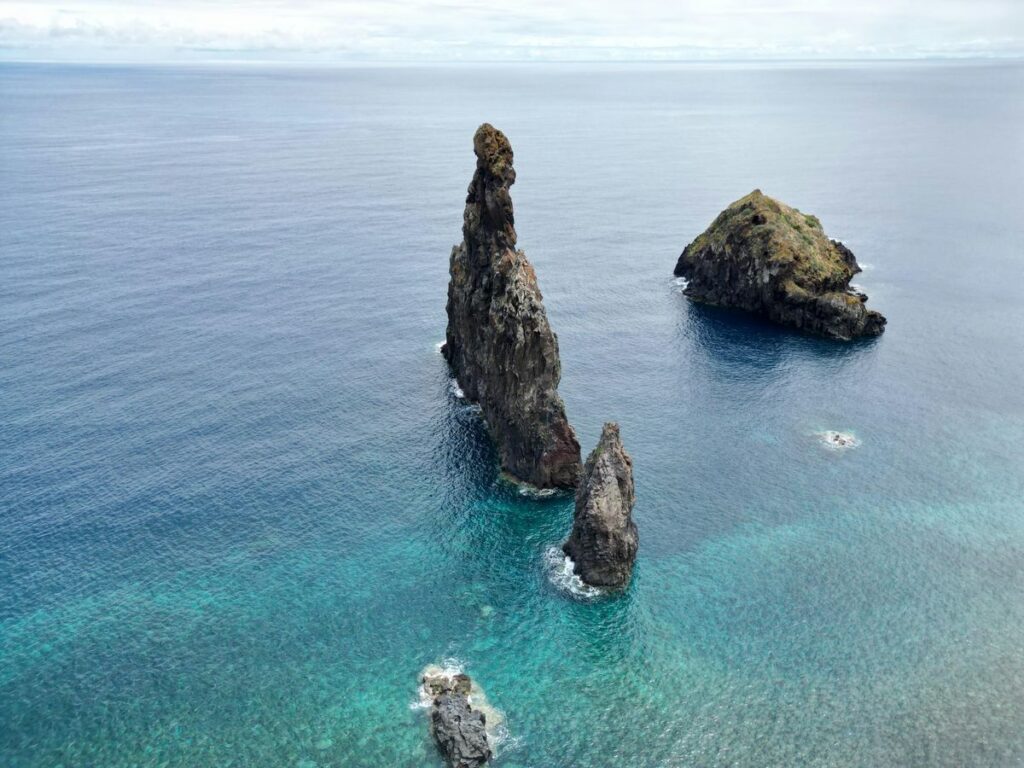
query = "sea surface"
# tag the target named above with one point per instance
(242, 507)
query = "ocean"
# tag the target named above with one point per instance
(241, 506)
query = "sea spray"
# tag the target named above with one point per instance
(447, 671)
(455, 389)
(838, 441)
(561, 573)
(529, 491)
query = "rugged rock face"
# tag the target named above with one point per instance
(458, 729)
(604, 540)
(499, 344)
(765, 257)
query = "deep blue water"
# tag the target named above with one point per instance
(240, 508)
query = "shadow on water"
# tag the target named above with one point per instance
(489, 523)
(736, 345)
(464, 453)
(747, 399)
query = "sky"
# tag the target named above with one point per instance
(516, 30)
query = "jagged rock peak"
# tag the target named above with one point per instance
(489, 220)
(499, 344)
(604, 539)
(763, 256)
(458, 729)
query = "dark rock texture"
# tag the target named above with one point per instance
(604, 540)
(458, 729)
(765, 257)
(499, 344)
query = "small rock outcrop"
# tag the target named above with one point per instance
(458, 729)
(604, 539)
(838, 441)
(498, 343)
(765, 257)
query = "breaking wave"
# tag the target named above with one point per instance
(494, 718)
(536, 493)
(559, 567)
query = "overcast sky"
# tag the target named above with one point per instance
(472, 30)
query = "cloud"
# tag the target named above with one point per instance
(452, 30)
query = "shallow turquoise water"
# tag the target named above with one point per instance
(241, 509)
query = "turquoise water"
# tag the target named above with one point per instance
(240, 508)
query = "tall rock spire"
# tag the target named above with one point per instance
(499, 344)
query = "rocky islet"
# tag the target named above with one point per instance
(459, 730)
(765, 257)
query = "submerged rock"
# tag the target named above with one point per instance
(459, 731)
(604, 539)
(838, 440)
(765, 257)
(499, 344)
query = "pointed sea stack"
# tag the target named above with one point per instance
(499, 344)
(604, 539)
(765, 257)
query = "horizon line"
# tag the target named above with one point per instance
(951, 58)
